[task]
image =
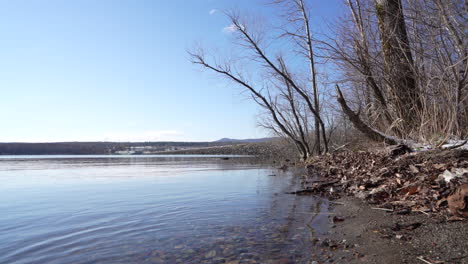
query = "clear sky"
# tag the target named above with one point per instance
(94, 70)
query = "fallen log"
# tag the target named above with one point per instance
(303, 192)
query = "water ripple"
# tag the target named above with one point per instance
(148, 210)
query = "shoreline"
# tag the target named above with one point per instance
(392, 208)
(360, 234)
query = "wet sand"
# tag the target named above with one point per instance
(366, 235)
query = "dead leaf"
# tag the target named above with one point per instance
(455, 218)
(413, 169)
(457, 202)
(441, 202)
(410, 190)
(448, 176)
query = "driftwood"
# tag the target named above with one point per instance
(303, 192)
(423, 260)
(456, 146)
(315, 189)
(383, 209)
(399, 150)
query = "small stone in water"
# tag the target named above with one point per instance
(211, 254)
(157, 260)
(189, 251)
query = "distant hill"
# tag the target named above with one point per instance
(249, 140)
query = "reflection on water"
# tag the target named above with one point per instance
(152, 209)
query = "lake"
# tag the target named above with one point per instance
(154, 209)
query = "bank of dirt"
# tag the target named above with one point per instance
(360, 234)
(393, 205)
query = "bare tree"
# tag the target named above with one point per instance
(286, 100)
(298, 15)
(403, 66)
(405, 63)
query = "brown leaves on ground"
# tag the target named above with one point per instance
(423, 181)
(458, 201)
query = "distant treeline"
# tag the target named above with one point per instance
(89, 148)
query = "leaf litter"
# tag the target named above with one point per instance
(399, 180)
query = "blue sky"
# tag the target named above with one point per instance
(94, 70)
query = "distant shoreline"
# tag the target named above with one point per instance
(109, 148)
(269, 151)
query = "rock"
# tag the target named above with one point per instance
(211, 254)
(189, 251)
(382, 188)
(157, 260)
(325, 243)
(240, 251)
(284, 261)
(337, 219)
(361, 195)
(411, 226)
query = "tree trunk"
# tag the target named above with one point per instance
(399, 66)
(313, 74)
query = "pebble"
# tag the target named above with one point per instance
(189, 251)
(285, 261)
(157, 260)
(275, 242)
(211, 254)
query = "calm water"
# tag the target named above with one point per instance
(152, 209)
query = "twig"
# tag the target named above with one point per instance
(383, 209)
(423, 260)
(336, 203)
(421, 211)
(340, 147)
(461, 257)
